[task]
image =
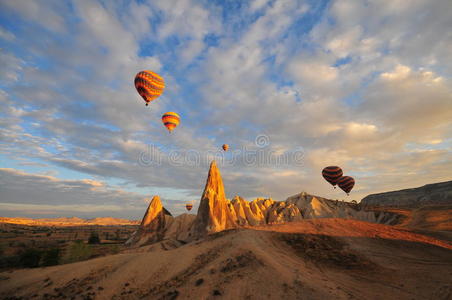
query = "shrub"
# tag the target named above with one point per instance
(30, 258)
(94, 238)
(77, 251)
(115, 249)
(51, 257)
(10, 261)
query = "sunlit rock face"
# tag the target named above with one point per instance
(282, 212)
(153, 226)
(216, 213)
(430, 194)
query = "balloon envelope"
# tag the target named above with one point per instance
(170, 120)
(346, 183)
(149, 85)
(225, 147)
(332, 174)
(189, 206)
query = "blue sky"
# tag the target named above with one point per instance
(365, 85)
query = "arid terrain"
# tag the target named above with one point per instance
(311, 259)
(306, 247)
(21, 238)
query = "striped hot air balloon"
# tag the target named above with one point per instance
(149, 85)
(170, 120)
(332, 174)
(188, 206)
(346, 183)
(225, 147)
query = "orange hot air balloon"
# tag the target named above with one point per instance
(188, 206)
(170, 120)
(332, 174)
(225, 147)
(346, 183)
(149, 85)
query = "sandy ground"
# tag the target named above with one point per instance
(312, 259)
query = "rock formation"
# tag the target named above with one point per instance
(430, 194)
(216, 213)
(153, 226)
(318, 207)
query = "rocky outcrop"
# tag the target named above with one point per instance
(153, 226)
(214, 212)
(430, 194)
(179, 228)
(318, 207)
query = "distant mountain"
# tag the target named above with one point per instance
(430, 194)
(72, 221)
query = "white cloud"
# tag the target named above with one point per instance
(48, 14)
(11, 67)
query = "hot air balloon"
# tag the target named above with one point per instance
(170, 120)
(225, 147)
(149, 85)
(332, 174)
(188, 206)
(346, 183)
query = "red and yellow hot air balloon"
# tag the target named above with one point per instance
(188, 206)
(346, 183)
(170, 120)
(332, 174)
(149, 85)
(225, 147)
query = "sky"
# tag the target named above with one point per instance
(291, 86)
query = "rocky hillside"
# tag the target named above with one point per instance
(216, 213)
(430, 194)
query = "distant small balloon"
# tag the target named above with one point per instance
(346, 183)
(188, 206)
(149, 85)
(332, 174)
(170, 120)
(225, 147)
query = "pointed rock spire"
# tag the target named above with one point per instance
(214, 213)
(155, 208)
(153, 225)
